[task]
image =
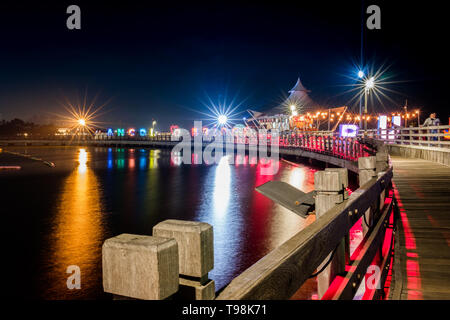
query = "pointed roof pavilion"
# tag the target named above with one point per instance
(298, 96)
(299, 87)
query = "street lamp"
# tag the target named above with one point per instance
(360, 74)
(369, 84)
(82, 122)
(222, 119)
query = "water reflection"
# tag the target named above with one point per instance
(222, 183)
(82, 161)
(116, 190)
(154, 156)
(78, 232)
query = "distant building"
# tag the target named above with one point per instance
(62, 132)
(283, 116)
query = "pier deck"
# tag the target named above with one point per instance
(424, 195)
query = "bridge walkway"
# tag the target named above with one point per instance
(423, 191)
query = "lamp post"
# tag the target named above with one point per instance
(369, 85)
(360, 75)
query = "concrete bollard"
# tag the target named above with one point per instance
(381, 166)
(196, 256)
(381, 161)
(140, 267)
(330, 187)
(367, 171)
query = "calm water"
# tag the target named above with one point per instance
(56, 217)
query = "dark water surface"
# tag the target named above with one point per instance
(56, 217)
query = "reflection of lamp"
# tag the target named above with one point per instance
(82, 160)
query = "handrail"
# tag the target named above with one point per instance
(280, 273)
(430, 136)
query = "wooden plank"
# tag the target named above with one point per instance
(424, 189)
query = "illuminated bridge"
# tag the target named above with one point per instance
(402, 201)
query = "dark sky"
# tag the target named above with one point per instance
(162, 60)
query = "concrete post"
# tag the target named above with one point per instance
(330, 187)
(140, 267)
(196, 256)
(367, 171)
(381, 166)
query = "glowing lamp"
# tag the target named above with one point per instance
(370, 83)
(222, 119)
(82, 122)
(360, 74)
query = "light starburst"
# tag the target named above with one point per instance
(82, 117)
(377, 83)
(222, 114)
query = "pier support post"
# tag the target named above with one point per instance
(330, 187)
(140, 267)
(196, 256)
(367, 171)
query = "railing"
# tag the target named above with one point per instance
(436, 136)
(325, 142)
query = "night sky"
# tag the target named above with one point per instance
(161, 61)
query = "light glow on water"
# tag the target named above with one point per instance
(78, 231)
(82, 160)
(222, 183)
(98, 199)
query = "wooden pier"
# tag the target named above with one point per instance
(424, 253)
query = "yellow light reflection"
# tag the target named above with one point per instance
(153, 157)
(82, 160)
(78, 230)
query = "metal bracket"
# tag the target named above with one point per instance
(289, 197)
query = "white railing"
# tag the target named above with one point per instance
(436, 136)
